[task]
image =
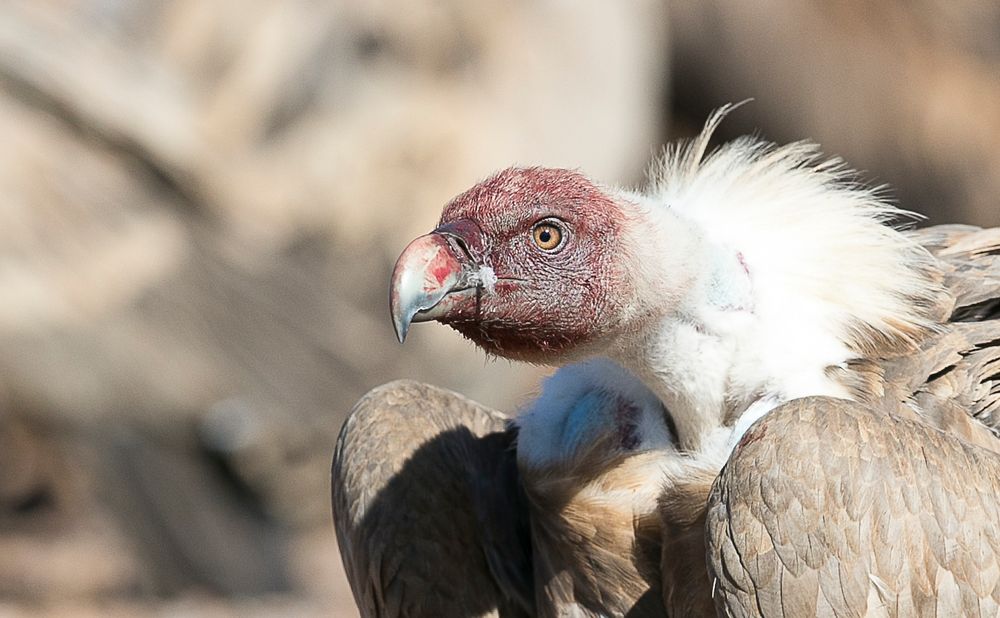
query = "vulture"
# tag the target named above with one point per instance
(770, 402)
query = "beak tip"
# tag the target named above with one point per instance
(400, 319)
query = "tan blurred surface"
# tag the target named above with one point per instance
(200, 203)
(909, 92)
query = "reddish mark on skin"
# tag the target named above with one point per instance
(440, 273)
(746, 271)
(441, 267)
(743, 262)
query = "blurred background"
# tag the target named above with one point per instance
(201, 201)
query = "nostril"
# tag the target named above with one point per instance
(463, 235)
(459, 244)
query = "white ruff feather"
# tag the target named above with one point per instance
(774, 266)
(808, 231)
(760, 268)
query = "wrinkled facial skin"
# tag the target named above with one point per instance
(545, 303)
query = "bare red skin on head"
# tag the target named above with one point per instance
(545, 305)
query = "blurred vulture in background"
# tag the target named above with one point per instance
(831, 390)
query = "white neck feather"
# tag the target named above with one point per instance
(769, 266)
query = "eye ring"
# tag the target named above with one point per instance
(548, 236)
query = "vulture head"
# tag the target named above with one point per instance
(532, 264)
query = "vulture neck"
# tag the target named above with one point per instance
(721, 350)
(768, 270)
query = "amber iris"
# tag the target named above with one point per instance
(547, 236)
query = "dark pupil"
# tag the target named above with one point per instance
(545, 236)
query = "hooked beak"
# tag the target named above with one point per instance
(433, 277)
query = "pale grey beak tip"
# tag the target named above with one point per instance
(401, 327)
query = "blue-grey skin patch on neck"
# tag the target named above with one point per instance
(598, 412)
(587, 417)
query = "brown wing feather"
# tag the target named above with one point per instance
(686, 587)
(596, 554)
(954, 379)
(830, 508)
(428, 509)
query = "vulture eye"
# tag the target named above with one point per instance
(547, 236)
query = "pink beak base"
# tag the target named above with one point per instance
(425, 274)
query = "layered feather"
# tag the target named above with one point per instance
(823, 249)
